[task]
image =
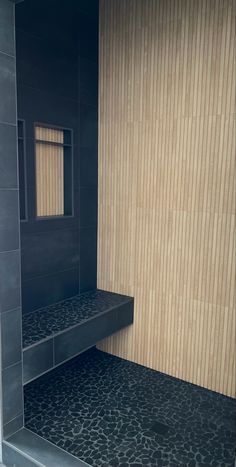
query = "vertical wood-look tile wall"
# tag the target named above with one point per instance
(49, 172)
(166, 183)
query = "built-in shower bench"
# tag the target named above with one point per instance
(56, 333)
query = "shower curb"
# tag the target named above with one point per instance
(27, 449)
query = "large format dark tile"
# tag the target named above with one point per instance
(88, 259)
(11, 337)
(112, 412)
(41, 61)
(49, 252)
(91, 7)
(9, 220)
(12, 392)
(49, 21)
(88, 167)
(13, 426)
(88, 88)
(88, 206)
(37, 360)
(88, 126)
(8, 156)
(88, 35)
(47, 108)
(44, 290)
(7, 28)
(9, 280)
(7, 89)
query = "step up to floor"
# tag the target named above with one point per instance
(54, 334)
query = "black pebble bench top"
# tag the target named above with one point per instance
(53, 334)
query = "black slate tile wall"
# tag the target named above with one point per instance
(9, 217)
(88, 91)
(12, 391)
(11, 410)
(7, 84)
(11, 337)
(38, 359)
(88, 258)
(57, 83)
(8, 160)
(44, 290)
(13, 426)
(7, 42)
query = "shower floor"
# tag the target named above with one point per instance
(111, 412)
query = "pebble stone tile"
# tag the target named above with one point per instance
(53, 319)
(111, 412)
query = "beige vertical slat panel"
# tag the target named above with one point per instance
(167, 183)
(49, 172)
(49, 134)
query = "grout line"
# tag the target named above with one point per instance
(9, 311)
(8, 123)
(9, 189)
(10, 366)
(12, 420)
(8, 55)
(48, 275)
(10, 251)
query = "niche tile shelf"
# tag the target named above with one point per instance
(56, 333)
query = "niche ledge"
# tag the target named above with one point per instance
(57, 333)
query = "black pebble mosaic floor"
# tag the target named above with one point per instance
(111, 412)
(40, 324)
